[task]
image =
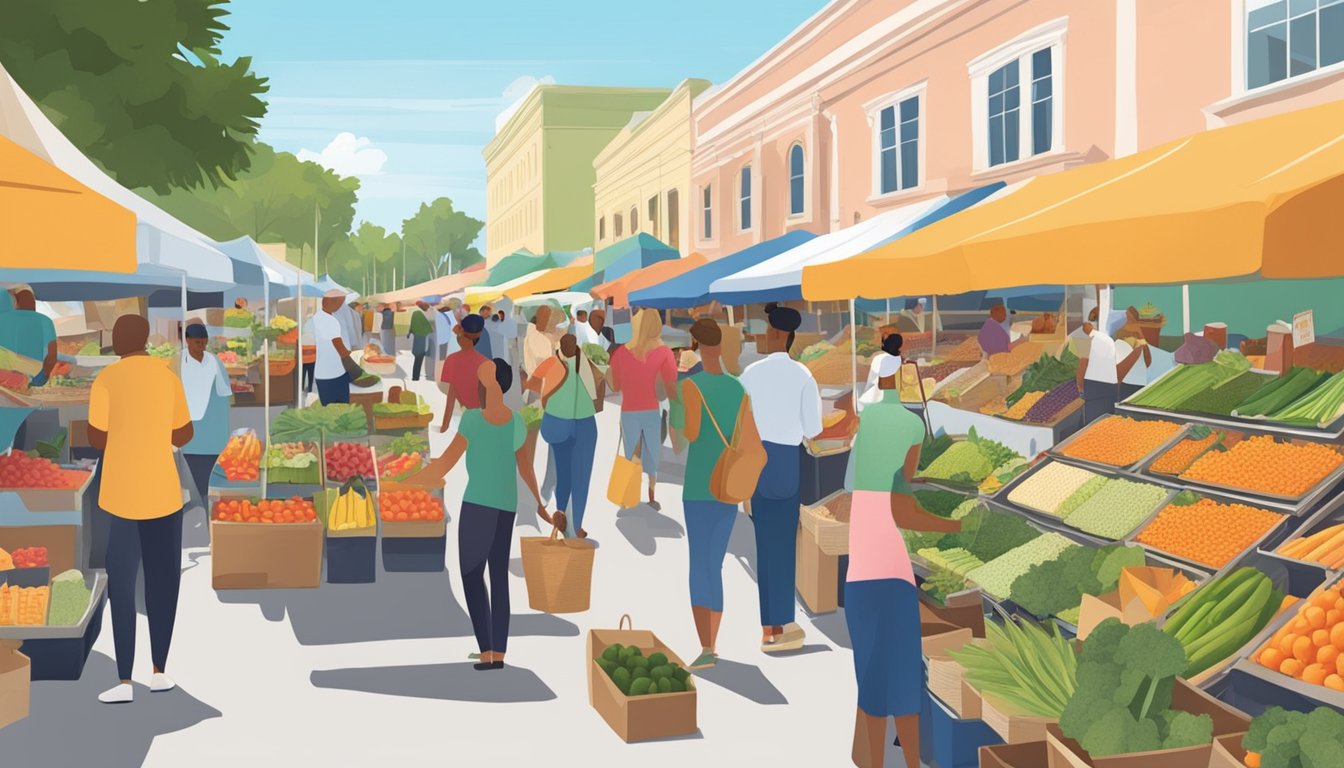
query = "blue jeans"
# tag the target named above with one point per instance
(709, 525)
(335, 390)
(774, 514)
(644, 429)
(572, 442)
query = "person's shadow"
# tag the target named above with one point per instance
(643, 525)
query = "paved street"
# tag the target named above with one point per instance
(348, 674)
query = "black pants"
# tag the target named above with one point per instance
(308, 369)
(201, 465)
(157, 545)
(1098, 400)
(484, 538)
(419, 363)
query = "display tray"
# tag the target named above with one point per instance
(1246, 665)
(53, 499)
(1057, 450)
(1296, 505)
(1001, 499)
(1274, 531)
(1331, 513)
(92, 361)
(59, 653)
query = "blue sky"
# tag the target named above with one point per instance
(418, 83)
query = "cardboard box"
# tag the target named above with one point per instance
(102, 315)
(947, 682)
(1031, 754)
(55, 499)
(1228, 752)
(1013, 727)
(939, 638)
(969, 613)
(61, 541)
(1067, 753)
(1143, 593)
(16, 674)
(818, 575)
(258, 556)
(637, 718)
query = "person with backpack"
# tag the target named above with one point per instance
(718, 425)
(571, 395)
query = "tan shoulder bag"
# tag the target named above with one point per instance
(739, 467)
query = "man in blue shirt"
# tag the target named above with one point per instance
(30, 333)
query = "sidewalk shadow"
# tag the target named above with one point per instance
(67, 725)
(742, 544)
(745, 680)
(445, 682)
(833, 626)
(644, 525)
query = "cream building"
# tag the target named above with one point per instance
(539, 167)
(644, 174)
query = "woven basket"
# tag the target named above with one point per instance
(832, 535)
(558, 572)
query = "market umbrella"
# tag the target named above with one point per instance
(691, 289)
(557, 279)
(620, 259)
(618, 291)
(441, 286)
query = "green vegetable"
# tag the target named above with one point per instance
(956, 561)
(1045, 374)
(401, 409)
(612, 652)
(1117, 508)
(1122, 702)
(1056, 586)
(997, 576)
(641, 686)
(622, 678)
(303, 424)
(942, 583)
(1287, 739)
(933, 448)
(1085, 492)
(1185, 498)
(988, 534)
(962, 459)
(1322, 406)
(1224, 398)
(90, 349)
(51, 449)
(596, 354)
(1030, 668)
(1222, 616)
(69, 599)
(531, 415)
(408, 443)
(1189, 381)
(1280, 393)
(1149, 312)
(940, 503)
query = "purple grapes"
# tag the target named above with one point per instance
(1047, 408)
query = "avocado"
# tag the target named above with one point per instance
(608, 666)
(661, 673)
(621, 677)
(664, 685)
(641, 686)
(635, 662)
(626, 652)
(640, 672)
(657, 659)
(676, 685)
(680, 674)
(612, 653)
(634, 651)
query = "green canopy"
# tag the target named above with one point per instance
(517, 264)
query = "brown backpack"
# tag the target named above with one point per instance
(739, 467)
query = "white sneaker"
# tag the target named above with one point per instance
(121, 694)
(161, 682)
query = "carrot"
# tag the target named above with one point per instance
(1334, 543)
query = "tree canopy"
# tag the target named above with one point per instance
(438, 237)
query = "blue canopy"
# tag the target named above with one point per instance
(620, 259)
(691, 289)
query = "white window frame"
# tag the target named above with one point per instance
(1241, 61)
(873, 109)
(788, 163)
(750, 199)
(706, 212)
(1053, 35)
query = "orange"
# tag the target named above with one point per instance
(1271, 657)
(1291, 667)
(1320, 638)
(1314, 674)
(1326, 654)
(1337, 636)
(1335, 682)
(1286, 644)
(1303, 650)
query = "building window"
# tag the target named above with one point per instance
(616, 225)
(744, 199)
(1004, 103)
(634, 220)
(897, 147)
(1042, 102)
(602, 228)
(707, 213)
(797, 180)
(673, 219)
(1017, 97)
(1287, 38)
(653, 216)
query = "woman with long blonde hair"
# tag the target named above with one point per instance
(636, 371)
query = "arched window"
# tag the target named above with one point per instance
(744, 199)
(634, 219)
(797, 180)
(616, 225)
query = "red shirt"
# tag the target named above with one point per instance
(462, 370)
(638, 377)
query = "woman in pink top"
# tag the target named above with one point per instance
(636, 370)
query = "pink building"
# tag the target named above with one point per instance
(873, 104)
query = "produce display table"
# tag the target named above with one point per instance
(1027, 439)
(59, 653)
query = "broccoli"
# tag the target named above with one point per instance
(1151, 660)
(1057, 585)
(1109, 562)
(1297, 740)
(988, 534)
(1184, 729)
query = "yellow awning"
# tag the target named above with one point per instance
(1261, 197)
(50, 221)
(547, 280)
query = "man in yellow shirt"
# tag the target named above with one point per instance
(137, 415)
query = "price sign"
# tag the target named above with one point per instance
(1304, 329)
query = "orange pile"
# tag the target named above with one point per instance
(1182, 454)
(1265, 465)
(1020, 408)
(1119, 441)
(291, 510)
(405, 506)
(1208, 532)
(1016, 360)
(1311, 646)
(24, 606)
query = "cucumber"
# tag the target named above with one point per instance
(1239, 629)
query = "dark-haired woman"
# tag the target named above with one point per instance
(492, 439)
(891, 347)
(786, 404)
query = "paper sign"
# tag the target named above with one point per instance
(1304, 329)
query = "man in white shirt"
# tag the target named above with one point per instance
(444, 324)
(333, 382)
(1136, 364)
(786, 405)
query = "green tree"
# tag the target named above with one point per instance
(376, 251)
(138, 86)
(439, 236)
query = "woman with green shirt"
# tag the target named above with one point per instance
(711, 397)
(492, 439)
(569, 397)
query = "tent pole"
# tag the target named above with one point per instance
(933, 347)
(266, 360)
(182, 334)
(1185, 308)
(298, 313)
(731, 320)
(853, 360)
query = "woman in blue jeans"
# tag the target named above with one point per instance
(568, 425)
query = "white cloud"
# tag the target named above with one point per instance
(348, 155)
(515, 92)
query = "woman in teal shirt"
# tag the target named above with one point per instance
(569, 425)
(208, 398)
(492, 439)
(711, 397)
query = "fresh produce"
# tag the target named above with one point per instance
(295, 462)
(162, 351)
(1046, 490)
(13, 380)
(1321, 406)
(1265, 465)
(237, 318)
(1015, 360)
(409, 442)
(1149, 312)
(1004, 474)
(933, 448)
(1122, 701)
(392, 465)
(997, 576)
(963, 460)
(1223, 398)
(1055, 586)
(1207, 532)
(6, 560)
(347, 460)
(400, 409)
(596, 354)
(1047, 374)
(1047, 409)
(937, 372)
(995, 406)
(282, 323)
(19, 470)
(531, 416)
(988, 534)
(940, 503)
(1325, 547)
(336, 420)
(291, 510)
(814, 351)
(956, 560)
(69, 599)
(401, 506)
(1031, 668)
(1280, 393)
(635, 675)
(241, 459)
(1120, 441)
(967, 349)
(1117, 508)
(1223, 615)
(1279, 738)
(942, 584)
(229, 357)
(1085, 492)
(90, 349)
(352, 508)
(23, 606)
(1180, 456)
(1019, 410)
(1187, 381)
(30, 557)
(1310, 648)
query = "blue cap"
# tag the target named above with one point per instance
(197, 331)
(473, 324)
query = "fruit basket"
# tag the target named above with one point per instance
(352, 534)
(345, 458)
(1207, 531)
(828, 522)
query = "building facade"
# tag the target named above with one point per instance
(539, 167)
(870, 105)
(643, 177)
